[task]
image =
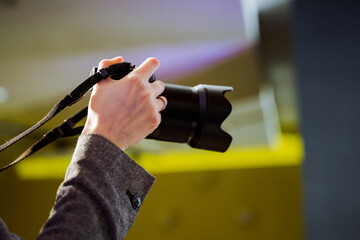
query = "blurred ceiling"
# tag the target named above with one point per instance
(48, 47)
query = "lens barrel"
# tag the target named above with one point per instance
(194, 116)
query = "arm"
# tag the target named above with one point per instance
(95, 201)
(103, 188)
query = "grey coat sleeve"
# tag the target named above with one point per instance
(101, 194)
(5, 234)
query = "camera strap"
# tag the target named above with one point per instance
(66, 129)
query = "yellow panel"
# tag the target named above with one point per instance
(288, 152)
(258, 204)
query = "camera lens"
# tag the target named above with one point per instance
(194, 115)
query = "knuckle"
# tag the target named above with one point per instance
(161, 84)
(155, 120)
(137, 81)
(135, 77)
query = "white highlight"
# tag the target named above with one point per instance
(4, 95)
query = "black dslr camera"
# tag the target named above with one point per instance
(193, 115)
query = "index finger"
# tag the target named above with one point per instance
(147, 68)
(107, 62)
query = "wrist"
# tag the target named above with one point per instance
(91, 128)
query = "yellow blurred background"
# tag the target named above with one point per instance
(256, 190)
(250, 192)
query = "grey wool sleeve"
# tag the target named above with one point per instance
(101, 194)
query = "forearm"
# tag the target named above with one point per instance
(94, 201)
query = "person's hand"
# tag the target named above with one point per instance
(126, 111)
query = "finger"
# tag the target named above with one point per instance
(103, 64)
(147, 68)
(158, 87)
(161, 103)
(107, 62)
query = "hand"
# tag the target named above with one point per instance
(126, 111)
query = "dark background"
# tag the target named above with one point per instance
(327, 54)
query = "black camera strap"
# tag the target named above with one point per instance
(66, 129)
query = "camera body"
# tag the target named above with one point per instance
(193, 115)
